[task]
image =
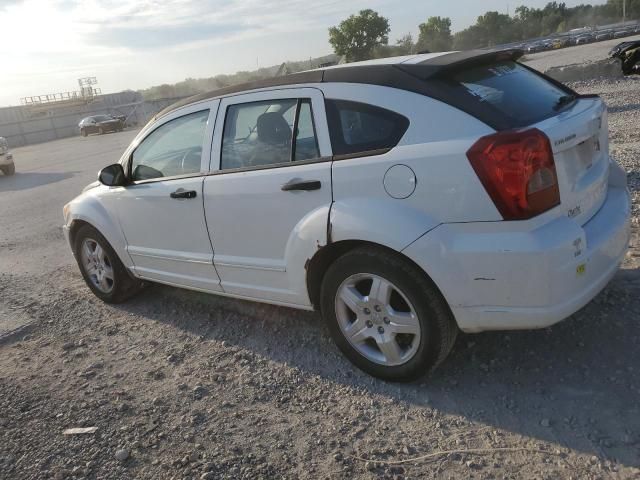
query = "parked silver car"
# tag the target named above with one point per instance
(6, 158)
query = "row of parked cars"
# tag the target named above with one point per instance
(581, 38)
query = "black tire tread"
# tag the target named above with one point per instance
(444, 326)
(126, 286)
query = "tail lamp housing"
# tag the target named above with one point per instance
(518, 171)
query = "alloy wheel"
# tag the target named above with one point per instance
(377, 319)
(97, 265)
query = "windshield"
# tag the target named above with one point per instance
(102, 118)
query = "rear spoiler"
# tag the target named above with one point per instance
(434, 67)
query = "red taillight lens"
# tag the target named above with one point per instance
(518, 172)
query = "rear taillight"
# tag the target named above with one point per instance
(518, 172)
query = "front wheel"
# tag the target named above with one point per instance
(101, 268)
(385, 315)
(83, 132)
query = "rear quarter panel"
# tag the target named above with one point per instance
(434, 147)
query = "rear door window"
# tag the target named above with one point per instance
(259, 134)
(306, 146)
(512, 91)
(361, 128)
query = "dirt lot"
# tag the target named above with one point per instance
(189, 386)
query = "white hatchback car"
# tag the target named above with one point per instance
(404, 198)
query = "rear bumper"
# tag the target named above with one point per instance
(509, 280)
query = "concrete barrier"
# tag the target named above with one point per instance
(27, 125)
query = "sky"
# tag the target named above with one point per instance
(48, 44)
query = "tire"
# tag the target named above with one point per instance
(122, 285)
(83, 132)
(101, 131)
(411, 291)
(9, 169)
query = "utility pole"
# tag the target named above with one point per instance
(624, 11)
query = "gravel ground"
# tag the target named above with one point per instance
(189, 386)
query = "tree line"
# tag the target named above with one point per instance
(366, 35)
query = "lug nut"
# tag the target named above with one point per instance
(367, 311)
(387, 321)
(380, 330)
(369, 324)
(377, 308)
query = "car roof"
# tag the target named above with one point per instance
(391, 72)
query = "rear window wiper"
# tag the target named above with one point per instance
(565, 100)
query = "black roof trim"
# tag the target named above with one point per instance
(404, 76)
(312, 76)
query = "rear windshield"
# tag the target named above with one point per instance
(513, 91)
(102, 118)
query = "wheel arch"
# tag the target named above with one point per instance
(76, 224)
(89, 210)
(322, 260)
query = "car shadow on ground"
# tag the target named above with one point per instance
(575, 385)
(25, 181)
(624, 108)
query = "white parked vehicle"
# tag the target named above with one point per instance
(7, 166)
(404, 198)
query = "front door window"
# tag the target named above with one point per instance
(173, 149)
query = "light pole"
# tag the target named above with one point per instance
(624, 11)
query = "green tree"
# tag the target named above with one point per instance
(405, 45)
(435, 35)
(357, 37)
(469, 38)
(496, 28)
(615, 9)
(491, 29)
(527, 22)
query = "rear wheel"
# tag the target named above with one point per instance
(101, 268)
(101, 131)
(83, 132)
(385, 315)
(8, 169)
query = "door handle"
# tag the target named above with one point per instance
(301, 185)
(180, 193)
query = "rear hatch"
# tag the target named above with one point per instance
(580, 143)
(509, 96)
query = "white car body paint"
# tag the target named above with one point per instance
(249, 239)
(264, 254)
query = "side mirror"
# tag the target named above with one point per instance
(112, 176)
